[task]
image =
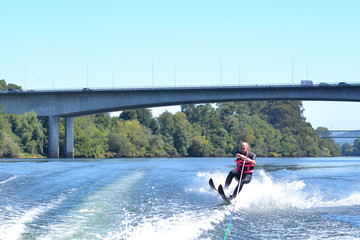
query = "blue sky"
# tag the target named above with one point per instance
(97, 44)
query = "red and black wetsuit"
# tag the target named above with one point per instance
(247, 175)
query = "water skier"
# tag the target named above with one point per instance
(244, 155)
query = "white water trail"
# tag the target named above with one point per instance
(14, 228)
(266, 194)
(186, 225)
(9, 179)
(97, 213)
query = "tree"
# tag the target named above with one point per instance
(157, 146)
(167, 130)
(143, 115)
(103, 121)
(329, 147)
(356, 146)
(206, 121)
(283, 114)
(139, 137)
(9, 147)
(182, 135)
(119, 144)
(30, 131)
(13, 86)
(347, 149)
(324, 131)
(2, 85)
(199, 147)
(288, 146)
(88, 140)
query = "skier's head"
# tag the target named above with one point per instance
(244, 148)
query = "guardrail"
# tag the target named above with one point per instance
(87, 89)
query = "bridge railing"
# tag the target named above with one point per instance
(261, 85)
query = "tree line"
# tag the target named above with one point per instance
(351, 150)
(272, 128)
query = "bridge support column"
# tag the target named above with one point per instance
(69, 137)
(53, 137)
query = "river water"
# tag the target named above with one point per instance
(299, 198)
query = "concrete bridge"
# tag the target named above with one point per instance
(71, 103)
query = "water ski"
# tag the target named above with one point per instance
(220, 190)
(212, 185)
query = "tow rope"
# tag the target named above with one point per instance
(238, 188)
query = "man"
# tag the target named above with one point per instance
(243, 157)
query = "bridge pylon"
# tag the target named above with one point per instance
(54, 137)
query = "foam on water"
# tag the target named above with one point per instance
(264, 193)
(186, 225)
(9, 179)
(16, 226)
(96, 213)
(90, 218)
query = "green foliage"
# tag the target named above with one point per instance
(103, 121)
(272, 129)
(4, 86)
(30, 132)
(356, 150)
(351, 150)
(347, 149)
(329, 148)
(9, 142)
(283, 114)
(119, 145)
(9, 148)
(272, 154)
(167, 130)
(88, 140)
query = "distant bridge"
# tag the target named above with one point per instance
(338, 133)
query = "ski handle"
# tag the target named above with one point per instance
(241, 175)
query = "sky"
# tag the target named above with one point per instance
(113, 43)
